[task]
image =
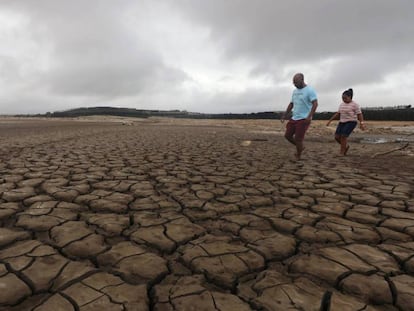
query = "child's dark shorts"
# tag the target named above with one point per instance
(345, 128)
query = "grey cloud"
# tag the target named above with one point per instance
(93, 52)
(113, 77)
(363, 68)
(309, 29)
(75, 53)
(248, 101)
(280, 33)
(11, 66)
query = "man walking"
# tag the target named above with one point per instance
(303, 105)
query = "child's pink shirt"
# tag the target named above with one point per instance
(349, 111)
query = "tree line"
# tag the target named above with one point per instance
(398, 113)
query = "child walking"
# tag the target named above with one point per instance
(348, 114)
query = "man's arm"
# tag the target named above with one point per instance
(288, 110)
(314, 106)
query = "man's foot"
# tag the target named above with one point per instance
(297, 155)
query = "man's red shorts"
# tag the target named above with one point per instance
(297, 128)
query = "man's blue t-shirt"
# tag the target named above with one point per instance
(302, 102)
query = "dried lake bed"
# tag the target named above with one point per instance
(167, 214)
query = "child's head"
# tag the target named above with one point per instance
(347, 95)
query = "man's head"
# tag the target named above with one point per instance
(299, 80)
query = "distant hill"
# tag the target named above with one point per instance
(140, 113)
(397, 113)
(114, 111)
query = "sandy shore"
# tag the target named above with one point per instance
(167, 214)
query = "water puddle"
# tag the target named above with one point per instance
(386, 139)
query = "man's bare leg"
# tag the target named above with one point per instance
(291, 139)
(298, 144)
(299, 148)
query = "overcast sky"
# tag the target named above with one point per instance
(210, 56)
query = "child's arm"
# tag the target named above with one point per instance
(361, 121)
(334, 117)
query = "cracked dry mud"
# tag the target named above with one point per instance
(100, 216)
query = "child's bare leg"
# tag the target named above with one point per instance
(338, 139)
(346, 149)
(344, 145)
